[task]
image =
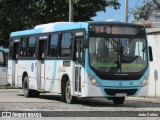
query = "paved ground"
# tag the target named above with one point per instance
(13, 100)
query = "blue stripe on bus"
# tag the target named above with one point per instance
(70, 26)
(4, 49)
(54, 76)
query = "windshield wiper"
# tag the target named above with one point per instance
(112, 41)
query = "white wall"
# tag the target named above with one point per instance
(154, 86)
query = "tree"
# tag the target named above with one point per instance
(18, 15)
(149, 11)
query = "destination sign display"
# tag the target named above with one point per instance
(117, 30)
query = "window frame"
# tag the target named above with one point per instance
(3, 64)
(71, 47)
(49, 43)
(38, 40)
(27, 47)
(11, 47)
(73, 34)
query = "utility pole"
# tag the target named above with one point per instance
(70, 11)
(126, 11)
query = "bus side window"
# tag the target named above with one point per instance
(42, 49)
(23, 47)
(2, 62)
(140, 49)
(66, 45)
(31, 47)
(6, 59)
(53, 46)
(15, 51)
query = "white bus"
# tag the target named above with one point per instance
(3, 65)
(81, 59)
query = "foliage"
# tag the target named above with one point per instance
(25, 14)
(148, 11)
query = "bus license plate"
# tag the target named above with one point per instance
(120, 94)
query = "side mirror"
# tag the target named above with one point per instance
(150, 54)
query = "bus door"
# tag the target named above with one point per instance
(41, 62)
(15, 56)
(78, 64)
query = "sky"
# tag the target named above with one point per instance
(118, 14)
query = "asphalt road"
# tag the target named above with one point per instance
(13, 100)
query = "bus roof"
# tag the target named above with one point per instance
(60, 26)
(51, 27)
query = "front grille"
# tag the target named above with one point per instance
(115, 91)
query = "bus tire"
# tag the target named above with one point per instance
(63, 98)
(26, 91)
(66, 93)
(118, 100)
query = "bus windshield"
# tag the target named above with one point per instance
(120, 55)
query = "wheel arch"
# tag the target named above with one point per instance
(64, 97)
(64, 79)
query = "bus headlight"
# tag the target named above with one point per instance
(145, 82)
(93, 80)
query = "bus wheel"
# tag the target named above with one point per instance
(26, 91)
(118, 100)
(69, 98)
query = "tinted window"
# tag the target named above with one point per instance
(6, 58)
(31, 47)
(15, 54)
(53, 46)
(65, 45)
(118, 55)
(42, 48)
(14, 49)
(23, 47)
(1, 58)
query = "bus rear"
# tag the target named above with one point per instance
(118, 61)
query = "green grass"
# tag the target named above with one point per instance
(7, 87)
